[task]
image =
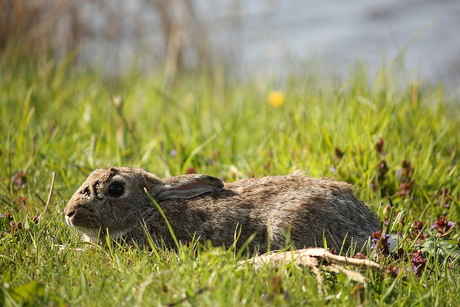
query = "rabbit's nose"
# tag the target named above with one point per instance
(69, 214)
(85, 191)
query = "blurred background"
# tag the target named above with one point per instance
(242, 37)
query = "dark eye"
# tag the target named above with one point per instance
(116, 189)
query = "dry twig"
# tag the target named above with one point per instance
(316, 259)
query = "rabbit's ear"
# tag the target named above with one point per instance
(191, 187)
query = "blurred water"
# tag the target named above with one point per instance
(263, 35)
(345, 31)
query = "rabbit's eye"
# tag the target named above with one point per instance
(116, 189)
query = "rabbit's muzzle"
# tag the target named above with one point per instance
(81, 218)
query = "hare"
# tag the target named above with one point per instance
(267, 212)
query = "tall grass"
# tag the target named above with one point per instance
(396, 143)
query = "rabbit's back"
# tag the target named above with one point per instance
(268, 210)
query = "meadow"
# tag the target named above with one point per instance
(396, 140)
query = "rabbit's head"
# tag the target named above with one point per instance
(114, 200)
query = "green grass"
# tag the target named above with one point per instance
(55, 118)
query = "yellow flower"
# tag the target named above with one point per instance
(275, 99)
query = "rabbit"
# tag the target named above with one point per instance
(266, 212)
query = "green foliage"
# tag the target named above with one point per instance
(396, 143)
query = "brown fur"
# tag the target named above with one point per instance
(310, 209)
